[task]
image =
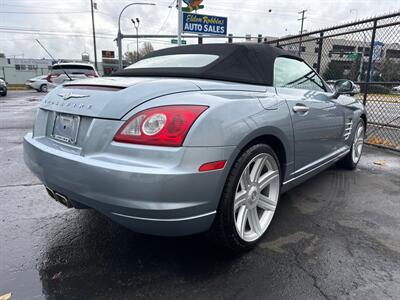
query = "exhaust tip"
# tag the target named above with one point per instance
(59, 197)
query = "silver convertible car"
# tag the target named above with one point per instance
(193, 139)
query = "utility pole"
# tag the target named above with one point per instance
(94, 6)
(180, 16)
(301, 28)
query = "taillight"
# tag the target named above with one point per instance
(51, 76)
(160, 126)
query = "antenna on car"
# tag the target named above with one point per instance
(51, 56)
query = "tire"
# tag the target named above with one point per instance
(351, 160)
(4, 93)
(245, 201)
(43, 88)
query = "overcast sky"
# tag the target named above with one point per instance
(64, 26)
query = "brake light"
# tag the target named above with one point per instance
(160, 126)
(51, 76)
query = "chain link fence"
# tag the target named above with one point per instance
(368, 53)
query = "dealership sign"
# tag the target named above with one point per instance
(204, 24)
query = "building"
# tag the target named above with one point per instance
(18, 70)
(344, 56)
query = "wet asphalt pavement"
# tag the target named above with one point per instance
(336, 236)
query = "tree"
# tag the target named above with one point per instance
(146, 49)
(390, 70)
(131, 56)
(335, 70)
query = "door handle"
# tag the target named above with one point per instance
(301, 108)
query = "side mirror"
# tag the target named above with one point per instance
(343, 87)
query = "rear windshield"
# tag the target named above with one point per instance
(73, 69)
(175, 61)
(79, 67)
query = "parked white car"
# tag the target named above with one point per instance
(38, 83)
(396, 89)
(75, 71)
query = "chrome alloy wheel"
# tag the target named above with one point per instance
(256, 197)
(358, 143)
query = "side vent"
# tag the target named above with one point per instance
(347, 129)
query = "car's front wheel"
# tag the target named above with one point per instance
(351, 160)
(43, 88)
(249, 199)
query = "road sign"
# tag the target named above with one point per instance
(175, 41)
(353, 55)
(204, 24)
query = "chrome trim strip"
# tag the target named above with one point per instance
(318, 166)
(166, 220)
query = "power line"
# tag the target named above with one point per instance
(43, 12)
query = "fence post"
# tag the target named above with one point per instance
(320, 44)
(230, 39)
(371, 53)
(259, 38)
(200, 39)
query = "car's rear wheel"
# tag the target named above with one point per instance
(249, 200)
(351, 160)
(43, 88)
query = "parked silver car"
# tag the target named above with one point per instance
(194, 138)
(38, 83)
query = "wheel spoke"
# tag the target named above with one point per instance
(257, 168)
(266, 203)
(254, 221)
(245, 180)
(267, 179)
(240, 199)
(242, 220)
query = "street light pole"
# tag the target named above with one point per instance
(180, 16)
(136, 24)
(120, 36)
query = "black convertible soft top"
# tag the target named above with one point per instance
(240, 62)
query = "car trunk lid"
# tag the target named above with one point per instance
(111, 98)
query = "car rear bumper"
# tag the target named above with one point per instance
(169, 201)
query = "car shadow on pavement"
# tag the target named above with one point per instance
(90, 249)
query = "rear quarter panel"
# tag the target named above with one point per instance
(234, 118)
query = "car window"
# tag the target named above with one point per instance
(175, 61)
(76, 67)
(293, 73)
(73, 69)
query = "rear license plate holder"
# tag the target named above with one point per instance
(66, 128)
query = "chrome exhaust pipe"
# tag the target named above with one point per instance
(59, 197)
